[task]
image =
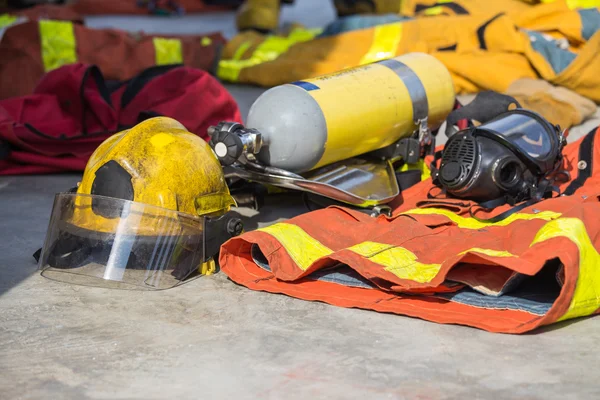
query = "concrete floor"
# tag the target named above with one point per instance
(213, 339)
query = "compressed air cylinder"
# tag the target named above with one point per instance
(316, 122)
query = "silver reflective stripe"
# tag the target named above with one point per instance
(415, 87)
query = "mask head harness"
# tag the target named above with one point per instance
(512, 158)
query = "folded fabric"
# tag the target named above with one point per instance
(558, 105)
(74, 109)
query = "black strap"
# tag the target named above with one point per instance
(490, 205)
(95, 73)
(144, 115)
(433, 166)
(5, 149)
(218, 56)
(448, 48)
(33, 130)
(586, 154)
(67, 251)
(457, 8)
(481, 31)
(454, 205)
(485, 106)
(408, 178)
(545, 190)
(136, 84)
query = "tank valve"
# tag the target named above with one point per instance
(230, 140)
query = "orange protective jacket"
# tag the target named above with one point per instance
(536, 267)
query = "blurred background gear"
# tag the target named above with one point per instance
(557, 104)
(162, 7)
(351, 7)
(20, 4)
(260, 15)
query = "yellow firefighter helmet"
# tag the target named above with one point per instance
(152, 207)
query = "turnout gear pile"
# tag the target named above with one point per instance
(476, 40)
(260, 15)
(103, 7)
(30, 49)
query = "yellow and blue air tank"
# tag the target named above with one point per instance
(316, 122)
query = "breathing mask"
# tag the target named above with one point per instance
(514, 157)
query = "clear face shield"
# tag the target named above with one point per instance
(109, 242)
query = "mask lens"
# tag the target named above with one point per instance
(525, 132)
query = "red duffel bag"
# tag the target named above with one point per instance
(74, 109)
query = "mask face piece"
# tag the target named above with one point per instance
(505, 157)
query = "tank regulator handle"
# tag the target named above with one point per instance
(230, 140)
(225, 142)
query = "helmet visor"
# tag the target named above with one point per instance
(109, 242)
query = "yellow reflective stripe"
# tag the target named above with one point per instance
(436, 10)
(6, 20)
(205, 41)
(302, 248)
(397, 260)
(386, 39)
(271, 48)
(239, 53)
(489, 252)
(432, 11)
(167, 51)
(471, 223)
(575, 4)
(58, 44)
(420, 165)
(586, 298)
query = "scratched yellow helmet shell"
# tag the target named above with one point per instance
(152, 207)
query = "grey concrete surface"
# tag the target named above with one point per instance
(211, 338)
